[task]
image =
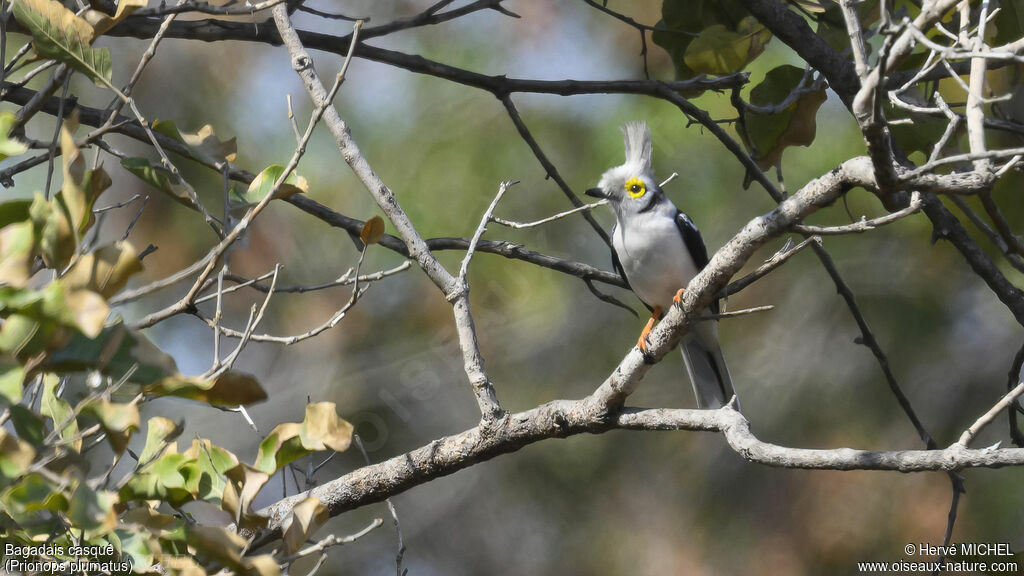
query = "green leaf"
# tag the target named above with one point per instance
(93, 511)
(719, 50)
(32, 494)
(168, 128)
(280, 448)
(683, 21)
(263, 184)
(172, 478)
(12, 378)
(8, 146)
(771, 134)
(159, 178)
(114, 352)
(24, 336)
(14, 211)
(16, 456)
(213, 462)
(59, 411)
(57, 33)
(28, 425)
(1009, 23)
(228, 389)
(138, 545)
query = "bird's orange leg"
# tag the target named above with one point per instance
(642, 341)
(678, 298)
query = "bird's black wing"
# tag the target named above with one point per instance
(694, 245)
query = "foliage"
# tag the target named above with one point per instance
(72, 378)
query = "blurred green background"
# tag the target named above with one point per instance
(622, 502)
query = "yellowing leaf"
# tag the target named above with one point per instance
(8, 146)
(209, 147)
(57, 242)
(17, 242)
(262, 565)
(119, 421)
(159, 432)
(104, 271)
(101, 22)
(323, 429)
(216, 543)
(372, 231)
(81, 187)
(228, 389)
(57, 33)
(90, 311)
(306, 518)
(71, 156)
(182, 566)
(204, 145)
(812, 6)
(243, 484)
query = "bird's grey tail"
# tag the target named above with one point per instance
(708, 372)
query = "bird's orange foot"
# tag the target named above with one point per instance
(641, 342)
(678, 298)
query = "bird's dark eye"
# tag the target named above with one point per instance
(634, 188)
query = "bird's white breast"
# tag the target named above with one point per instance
(654, 257)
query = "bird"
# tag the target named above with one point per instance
(657, 249)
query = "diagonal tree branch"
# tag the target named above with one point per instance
(455, 292)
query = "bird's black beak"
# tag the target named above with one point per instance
(596, 193)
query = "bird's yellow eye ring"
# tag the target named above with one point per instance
(635, 187)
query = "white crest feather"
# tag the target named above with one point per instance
(638, 145)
